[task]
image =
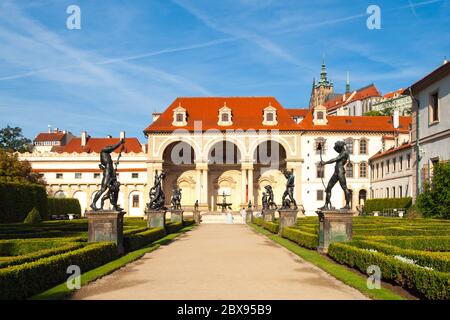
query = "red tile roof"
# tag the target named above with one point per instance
(247, 113)
(360, 94)
(390, 151)
(53, 136)
(97, 144)
(356, 123)
(393, 94)
(297, 112)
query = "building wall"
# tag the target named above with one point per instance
(401, 103)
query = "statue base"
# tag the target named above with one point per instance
(334, 226)
(268, 214)
(197, 216)
(288, 218)
(156, 218)
(176, 216)
(249, 216)
(106, 225)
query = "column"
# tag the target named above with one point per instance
(243, 185)
(250, 185)
(125, 199)
(202, 176)
(198, 183)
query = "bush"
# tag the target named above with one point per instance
(25, 280)
(270, 226)
(59, 206)
(173, 227)
(33, 217)
(430, 284)
(434, 201)
(372, 205)
(304, 239)
(17, 199)
(135, 241)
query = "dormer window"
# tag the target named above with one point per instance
(179, 116)
(270, 116)
(320, 115)
(225, 116)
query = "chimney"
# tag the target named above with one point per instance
(49, 129)
(83, 138)
(122, 135)
(396, 119)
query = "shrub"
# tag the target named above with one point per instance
(173, 227)
(25, 280)
(434, 201)
(430, 284)
(138, 240)
(386, 203)
(270, 226)
(304, 239)
(17, 199)
(33, 217)
(59, 206)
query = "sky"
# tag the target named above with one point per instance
(132, 58)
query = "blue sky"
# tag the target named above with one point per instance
(131, 58)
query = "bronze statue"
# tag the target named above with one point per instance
(270, 199)
(157, 197)
(264, 202)
(176, 199)
(288, 201)
(338, 175)
(109, 181)
(196, 205)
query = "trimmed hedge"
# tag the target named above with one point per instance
(173, 227)
(25, 280)
(430, 284)
(304, 239)
(18, 199)
(59, 206)
(437, 260)
(386, 203)
(270, 226)
(136, 241)
(33, 217)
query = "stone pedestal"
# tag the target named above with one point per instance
(268, 215)
(249, 216)
(288, 217)
(334, 226)
(197, 216)
(156, 218)
(176, 216)
(106, 225)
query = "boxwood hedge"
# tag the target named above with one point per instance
(304, 239)
(386, 203)
(59, 206)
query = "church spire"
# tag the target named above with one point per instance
(347, 84)
(323, 73)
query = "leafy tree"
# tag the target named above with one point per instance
(434, 201)
(12, 139)
(14, 170)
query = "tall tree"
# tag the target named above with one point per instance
(14, 170)
(12, 139)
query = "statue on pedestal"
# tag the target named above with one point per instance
(157, 197)
(270, 199)
(196, 205)
(176, 199)
(338, 175)
(288, 201)
(110, 184)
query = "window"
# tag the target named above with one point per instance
(77, 175)
(394, 162)
(434, 108)
(400, 191)
(320, 115)
(135, 175)
(135, 201)
(320, 171)
(363, 146)
(378, 167)
(349, 145)
(393, 192)
(323, 144)
(224, 117)
(408, 161)
(319, 195)
(400, 163)
(96, 175)
(179, 117)
(387, 192)
(59, 176)
(363, 170)
(388, 163)
(349, 170)
(382, 169)
(269, 116)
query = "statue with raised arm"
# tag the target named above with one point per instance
(288, 201)
(270, 198)
(157, 197)
(110, 184)
(338, 175)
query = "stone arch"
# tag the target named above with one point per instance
(82, 199)
(60, 194)
(254, 145)
(227, 140)
(223, 152)
(174, 139)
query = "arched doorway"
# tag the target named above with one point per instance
(269, 162)
(224, 175)
(179, 165)
(82, 199)
(135, 203)
(362, 197)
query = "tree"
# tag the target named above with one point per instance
(434, 201)
(14, 170)
(12, 139)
